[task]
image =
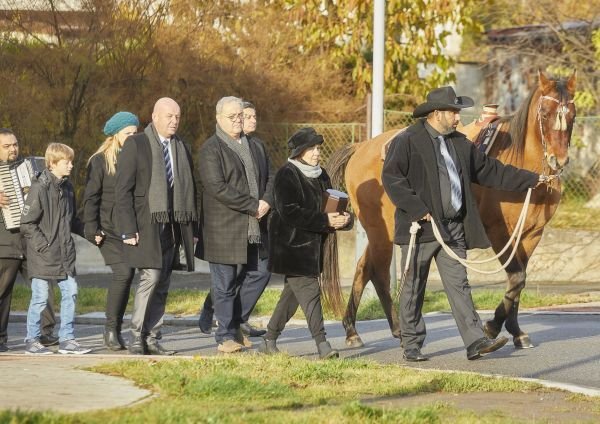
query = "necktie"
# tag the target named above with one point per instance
(455, 190)
(168, 166)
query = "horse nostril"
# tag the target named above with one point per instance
(566, 161)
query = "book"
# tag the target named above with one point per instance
(334, 201)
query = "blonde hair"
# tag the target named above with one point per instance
(56, 152)
(110, 149)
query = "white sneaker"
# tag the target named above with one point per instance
(72, 347)
(34, 347)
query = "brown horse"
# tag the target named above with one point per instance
(536, 137)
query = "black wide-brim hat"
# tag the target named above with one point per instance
(443, 98)
(302, 140)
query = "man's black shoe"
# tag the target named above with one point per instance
(4, 347)
(49, 340)
(155, 348)
(414, 355)
(250, 331)
(205, 321)
(483, 346)
(137, 345)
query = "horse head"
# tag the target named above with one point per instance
(554, 118)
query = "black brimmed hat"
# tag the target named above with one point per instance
(302, 140)
(443, 98)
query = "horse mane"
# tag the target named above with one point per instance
(517, 128)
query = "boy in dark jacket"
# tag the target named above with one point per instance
(47, 221)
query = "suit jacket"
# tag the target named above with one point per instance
(132, 210)
(226, 200)
(411, 180)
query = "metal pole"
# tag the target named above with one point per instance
(378, 63)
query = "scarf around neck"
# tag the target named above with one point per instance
(184, 208)
(242, 150)
(309, 171)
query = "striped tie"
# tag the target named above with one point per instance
(168, 167)
(455, 190)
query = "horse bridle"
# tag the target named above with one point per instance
(559, 125)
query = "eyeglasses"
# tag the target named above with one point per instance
(233, 118)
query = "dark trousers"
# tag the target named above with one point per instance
(303, 291)
(456, 286)
(118, 295)
(151, 294)
(236, 291)
(8, 275)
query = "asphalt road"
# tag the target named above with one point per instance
(567, 345)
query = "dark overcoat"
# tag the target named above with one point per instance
(132, 209)
(411, 180)
(226, 200)
(47, 220)
(12, 244)
(98, 207)
(297, 225)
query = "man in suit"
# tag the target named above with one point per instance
(427, 174)
(153, 211)
(237, 183)
(12, 254)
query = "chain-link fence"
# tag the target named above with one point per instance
(581, 177)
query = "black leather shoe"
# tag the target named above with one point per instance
(205, 321)
(111, 340)
(4, 347)
(155, 348)
(250, 331)
(137, 345)
(49, 340)
(414, 355)
(483, 346)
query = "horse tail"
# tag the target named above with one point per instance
(336, 165)
(331, 291)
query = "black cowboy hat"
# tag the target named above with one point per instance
(302, 140)
(443, 98)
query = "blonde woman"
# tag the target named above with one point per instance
(99, 223)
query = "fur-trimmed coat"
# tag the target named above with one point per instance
(297, 226)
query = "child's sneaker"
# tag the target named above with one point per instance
(72, 347)
(34, 347)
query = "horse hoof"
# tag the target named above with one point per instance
(522, 342)
(491, 330)
(354, 342)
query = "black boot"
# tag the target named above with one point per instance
(113, 340)
(268, 347)
(326, 351)
(250, 331)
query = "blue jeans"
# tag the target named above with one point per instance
(39, 299)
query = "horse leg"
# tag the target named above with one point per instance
(381, 282)
(361, 277)
(515, 282)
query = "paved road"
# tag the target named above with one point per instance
(567, 345)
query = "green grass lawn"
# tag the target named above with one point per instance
(573, 215)
(284, 389)
(188, 302)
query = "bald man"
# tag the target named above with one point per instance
(155, 208)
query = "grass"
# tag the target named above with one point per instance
(188, 302)
(260, 389)
(573, 215)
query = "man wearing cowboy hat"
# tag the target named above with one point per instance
(427, 174)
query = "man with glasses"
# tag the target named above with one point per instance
(12, 254)
(236, 183)
(427, 174)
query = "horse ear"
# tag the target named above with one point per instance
(571, 82)
(546, 84)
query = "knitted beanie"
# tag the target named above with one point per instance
(119, 121)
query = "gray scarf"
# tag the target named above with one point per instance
(184, 208)
(242, 150)
(308, 170)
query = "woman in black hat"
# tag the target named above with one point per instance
(99, 224)
(297, 231)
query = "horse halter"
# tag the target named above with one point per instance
(559, 125)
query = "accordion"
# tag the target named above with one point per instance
(15, 180)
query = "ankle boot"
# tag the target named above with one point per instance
(268, 347)
(112, 340)
(326, 352)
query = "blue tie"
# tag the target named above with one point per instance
(168, 166)
(455, 190)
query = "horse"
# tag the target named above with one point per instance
(536, 137)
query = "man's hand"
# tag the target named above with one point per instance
(133, 241)
(263, 208)
(426, 217)
(4, 200)
(99, 237)
(544, 179)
